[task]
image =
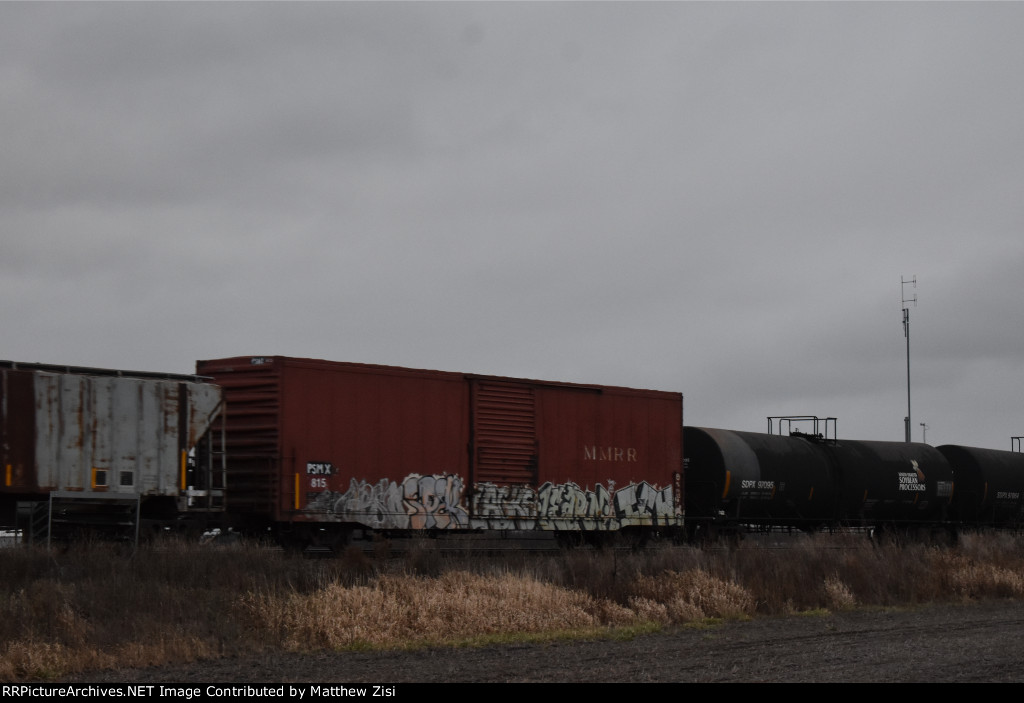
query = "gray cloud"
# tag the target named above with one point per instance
(713, 198)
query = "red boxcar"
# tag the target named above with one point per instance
(326, 443)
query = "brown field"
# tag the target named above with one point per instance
(78, 614)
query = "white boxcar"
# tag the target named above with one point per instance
(98, 434)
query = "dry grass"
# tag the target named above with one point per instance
(413, 610)
(94, 607)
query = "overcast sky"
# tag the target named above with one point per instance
(713, 198)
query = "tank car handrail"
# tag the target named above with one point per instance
(815, 434)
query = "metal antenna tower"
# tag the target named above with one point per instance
(906, 333)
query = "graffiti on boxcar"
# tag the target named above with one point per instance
(437, 502)
(504, 507)
(566, 506)
(417, 503)
(377, 505)
(642, 504)
(434, 502)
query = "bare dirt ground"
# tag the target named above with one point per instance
(941, 643)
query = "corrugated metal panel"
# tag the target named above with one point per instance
(504, 433)
(252, 394)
